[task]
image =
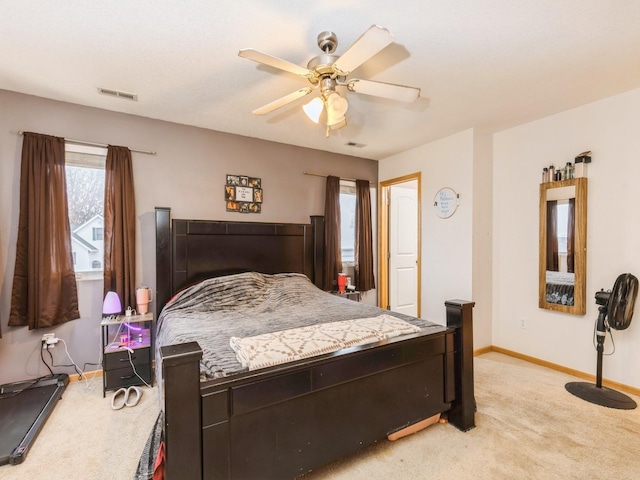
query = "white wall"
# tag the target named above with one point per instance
(448, 244)
(609, 128)
(187, 174)
(482, 231)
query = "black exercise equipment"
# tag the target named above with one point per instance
(24, 408)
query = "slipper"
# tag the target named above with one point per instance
(133, 396)
(119, 399)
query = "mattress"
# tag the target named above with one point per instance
(250, 304)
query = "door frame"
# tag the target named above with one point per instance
(383, 237)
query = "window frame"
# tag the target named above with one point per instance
(87, 156)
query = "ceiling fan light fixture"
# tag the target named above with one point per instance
(329, 71)
(313, 109)
(337, 106)
(337, 123)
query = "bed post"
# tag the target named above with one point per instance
(163, 258)
(182, 410)
(460, 317)
(317, 222)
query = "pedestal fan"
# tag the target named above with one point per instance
(616, 310)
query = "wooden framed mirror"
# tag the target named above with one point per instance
(563, 246)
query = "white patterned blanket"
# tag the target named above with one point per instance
(297, 343)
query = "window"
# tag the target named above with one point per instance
(97, 233)
(348, 221)
(85, 195)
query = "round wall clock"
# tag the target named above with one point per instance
(445, 202)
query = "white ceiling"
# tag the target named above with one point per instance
(489, 64)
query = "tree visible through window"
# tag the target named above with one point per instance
(85, 195)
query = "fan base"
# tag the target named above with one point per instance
(603, 396)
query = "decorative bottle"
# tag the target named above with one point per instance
(568, 171)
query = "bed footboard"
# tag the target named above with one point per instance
(463, 405)
(182, 413)
(284, 421)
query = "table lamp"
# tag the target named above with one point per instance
(111, 306)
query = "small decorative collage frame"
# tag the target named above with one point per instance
(243, 194)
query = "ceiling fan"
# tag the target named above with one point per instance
(328, 71)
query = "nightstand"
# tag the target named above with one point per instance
(127, 347)
(355, 295)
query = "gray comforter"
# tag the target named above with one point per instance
(249, 304)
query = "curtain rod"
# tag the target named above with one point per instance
(323, 175)
(94, 144)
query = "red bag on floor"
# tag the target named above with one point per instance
(158, 470)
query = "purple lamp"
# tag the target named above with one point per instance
(111, 306)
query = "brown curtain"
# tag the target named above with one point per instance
(44, 282)
(119, 226)
(552, 236)
(364, 279)
(332, 249)
(571, 232)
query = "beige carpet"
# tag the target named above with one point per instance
(528, 427)
(84, 439)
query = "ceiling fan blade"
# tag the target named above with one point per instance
(365, 47)
(275, 62)
(392, 91)
(280, 102)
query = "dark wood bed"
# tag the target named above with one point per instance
(283, 421)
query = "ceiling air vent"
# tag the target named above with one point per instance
(354, 144)
(118, 94)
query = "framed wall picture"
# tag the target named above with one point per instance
(243, 194)
(233, 180)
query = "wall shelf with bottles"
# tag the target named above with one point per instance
(569, 171)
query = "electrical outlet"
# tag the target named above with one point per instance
(523, 323)
(49, 340)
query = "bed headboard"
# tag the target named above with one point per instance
(191, 250)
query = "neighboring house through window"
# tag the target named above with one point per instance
(85, 193)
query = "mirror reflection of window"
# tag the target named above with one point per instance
(561, 230)
(560, 260)
(562, 218)
(563, 223)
